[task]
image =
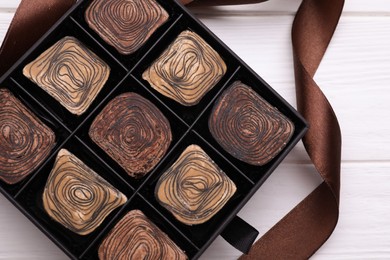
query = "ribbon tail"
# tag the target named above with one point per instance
(307, 227)
(32, 19)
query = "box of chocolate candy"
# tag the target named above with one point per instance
(129, 130)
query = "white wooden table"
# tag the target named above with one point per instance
(355, 75)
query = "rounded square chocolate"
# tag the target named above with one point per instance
(186, 70)
(25, 142)
(70, 73)
(136, 237)
(194, 188)
(247, 126)
(77, 197)
(125, 25)
(134, 132)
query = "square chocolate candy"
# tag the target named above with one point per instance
(125, 24)
(187, 70)
(25, 142)
(70, 73)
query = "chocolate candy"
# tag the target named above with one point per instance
(247, 126)
(133, 132)
(194, 188)
(25, 141)
(70, 73)
(77, 197)
(187, 70)
(136, 237)
(125, 24)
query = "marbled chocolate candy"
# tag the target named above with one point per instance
(77, 197)
(247, 126)
(194, 188)
(133, 132)
(70, 73)
(187, 70)
(136, 237)
(125, 24)
(25, 141)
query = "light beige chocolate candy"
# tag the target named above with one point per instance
(77, 197)
(187, 70)
(136, 237)
(70, 73)
(194, 188)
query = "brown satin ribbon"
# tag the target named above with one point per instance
(306, 227)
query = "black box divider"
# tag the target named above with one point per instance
(31, 198)
(129, 84)
(34, 110)
(92, 152)
(170, 151)
(98, 43)
(203, 234)
(158, 42)
(238, 170)
(100, 106)
(131, 60)
(61, 132)
(215, 97)
(69, 28)
(255, 173)
(156, 97)
(188, 113)
(184, 113)
(138, 202)
(104, 232)
(25, 185)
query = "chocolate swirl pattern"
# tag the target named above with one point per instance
(77, 197)
(25, 141)
(136, 237)
(70, 73)
(133, 132)
(125, 24)
(194, 188)
(247, 126)
(187, 70)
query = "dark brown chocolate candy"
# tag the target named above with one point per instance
(70, 73)
(136, 237)
(25, 141)
(133, 132)
(247, 126)
(194, 188)
(125, 24)
(77, 197)
(187, 70)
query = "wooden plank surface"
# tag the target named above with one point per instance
(355, 75)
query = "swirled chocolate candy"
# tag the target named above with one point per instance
(125, 24)
(247, 126)
(77, 197)
(136, 237)
(70, 73)
(25, 141)
(187, 70)
(194, 188)
(133, 132)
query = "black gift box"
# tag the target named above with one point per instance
(189, 126)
